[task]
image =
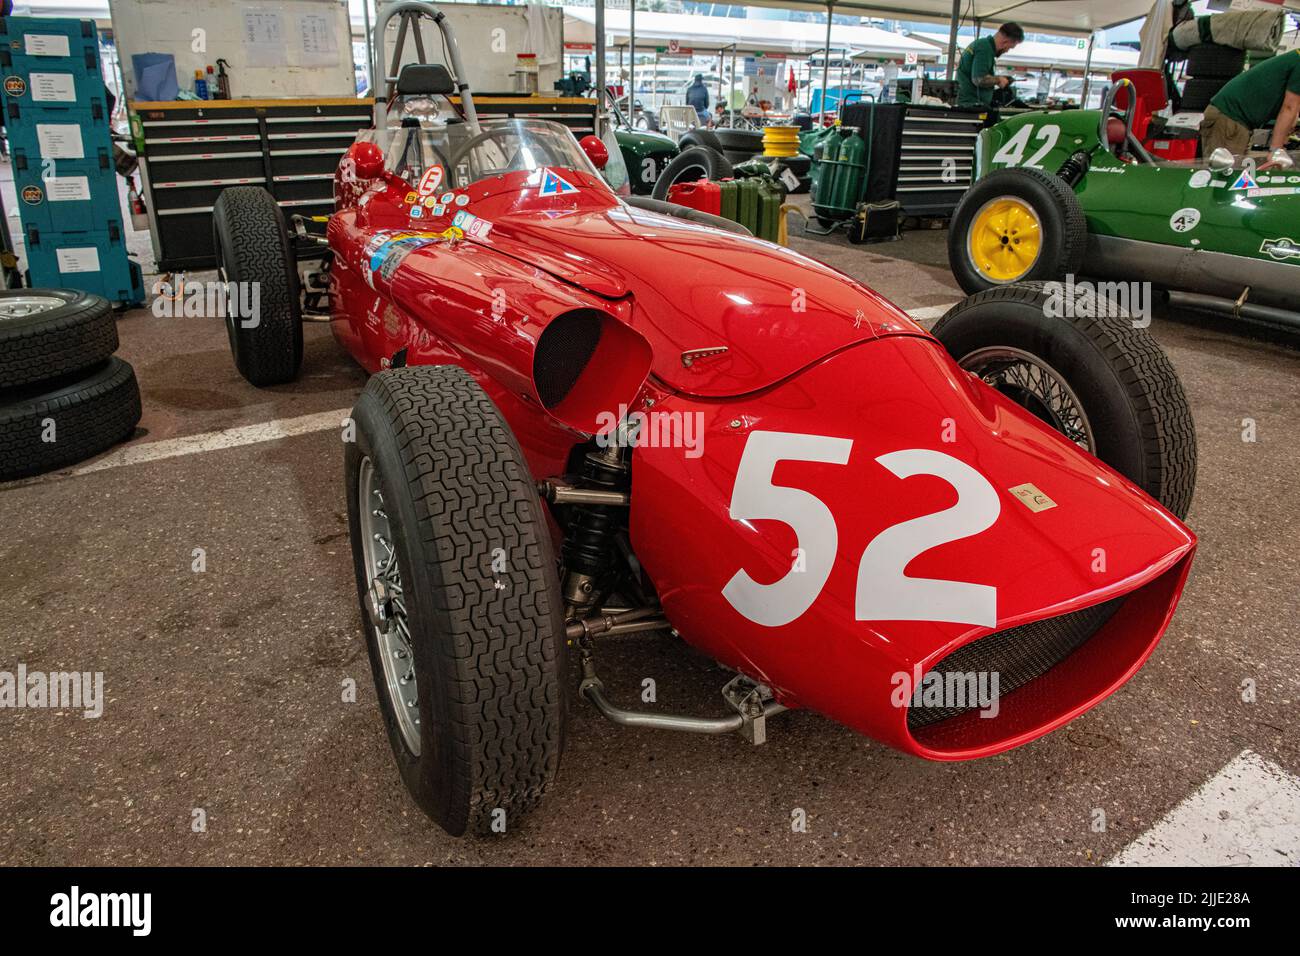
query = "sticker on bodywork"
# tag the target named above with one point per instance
(554, 185)
(1281, 249)
(1245, 181)
(472, 225)
(386, 250)
(1200, 179)
(1031, 497)
(431, 181)
(1185, 220)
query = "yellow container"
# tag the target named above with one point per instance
(780, 140)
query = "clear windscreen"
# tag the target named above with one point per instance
(501, 146)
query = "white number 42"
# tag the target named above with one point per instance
(884, 592)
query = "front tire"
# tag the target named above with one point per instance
(473, 590)
(1080, 364)
(252, 246)
(1016, 225)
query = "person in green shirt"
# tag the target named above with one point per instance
(1248, 101)
(975, 78)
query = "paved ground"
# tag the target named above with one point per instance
(225, 687)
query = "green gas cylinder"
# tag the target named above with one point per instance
(843, 173)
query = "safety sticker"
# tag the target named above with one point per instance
(553, 185)
(472, 225)
(431, 181)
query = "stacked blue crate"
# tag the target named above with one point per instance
(57, 120)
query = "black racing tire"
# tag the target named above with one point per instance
(1198, 92)
(700, 137)
(746, 142)
(252, 245)
(1215, 60)
(697, 162)
(1063, 233)
(52, 425)
(489, 645)
(1137, 412)
(70, 332)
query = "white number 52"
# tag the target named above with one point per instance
(884, 592)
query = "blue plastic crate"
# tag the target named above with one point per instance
(30, 44)
(94, 262)
(72, 200)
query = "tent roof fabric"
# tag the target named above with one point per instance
(1065, 56)
(713, 33)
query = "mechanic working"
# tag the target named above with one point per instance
(1270, 91)
(975, 78)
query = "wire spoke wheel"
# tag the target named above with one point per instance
(387, 606)
(1030, 382)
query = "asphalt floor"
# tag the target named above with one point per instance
(224, 687)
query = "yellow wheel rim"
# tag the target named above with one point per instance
(1005, 239)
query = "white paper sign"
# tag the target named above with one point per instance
(264, 37)
(53, 87)
(60, 141)
(43, 44)
(67, 188)
(317, 45)
(84, 259)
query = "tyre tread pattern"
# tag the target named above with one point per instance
(71, 339)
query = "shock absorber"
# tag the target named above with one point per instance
(1072, 169)
(589, 544)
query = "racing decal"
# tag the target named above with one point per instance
(472, 225)
(15, 85)
(1271, 191)
(452, 233)
(1281, 249)
(411, 197)
(554, 185)
(439, 210)
(33, 196)
(1013, 150)
(1246, 180)
(386, 250)
(417, 212)
(430, 202)
(884, 592)
(1185, 219)
(446, 198)
(431, 181)
(462, 200)
(1032, 497)
(1199, 179)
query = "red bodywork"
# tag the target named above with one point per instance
(768, 350)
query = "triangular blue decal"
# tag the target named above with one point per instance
(1245, 181)
(553, 185)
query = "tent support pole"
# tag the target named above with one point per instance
(952, 39)
(1087, 71)
(631, 64)
(601, 82)
(826, 59)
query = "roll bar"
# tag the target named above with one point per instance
(411, 11)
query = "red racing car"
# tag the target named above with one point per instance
(590, 418)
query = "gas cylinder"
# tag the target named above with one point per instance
(843, 172)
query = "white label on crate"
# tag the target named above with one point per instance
(78, 260)
(68, 188)
(53, 87)
(45, 44)
(60, 141)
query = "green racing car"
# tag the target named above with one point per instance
(1063, 194)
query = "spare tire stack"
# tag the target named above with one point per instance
(1210, 66)
(63, 395)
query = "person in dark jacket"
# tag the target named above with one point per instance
(697, 95)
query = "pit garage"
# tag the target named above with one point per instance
(414, 455)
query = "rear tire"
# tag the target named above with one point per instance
(252, 245)
(482, 599)
(696, 162)
(56, 424)
(1062, 232)
(701, 137)
(1137, 413)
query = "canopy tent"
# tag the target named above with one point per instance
(749, 36)
(1055, 56)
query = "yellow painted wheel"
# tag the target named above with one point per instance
(1005, 239)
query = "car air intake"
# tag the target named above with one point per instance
(563, 352)
(1017, 655)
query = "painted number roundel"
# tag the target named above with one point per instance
(884, 592)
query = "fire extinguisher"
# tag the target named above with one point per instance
(139, 212)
